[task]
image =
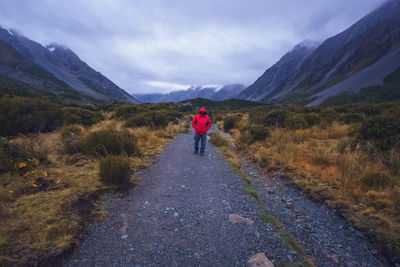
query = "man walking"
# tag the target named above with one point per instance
(201, 124)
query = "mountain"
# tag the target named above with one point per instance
(276, 77)
(55, 65)
(226, 92)
(363, 55)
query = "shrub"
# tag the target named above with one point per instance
(22, 115)
(258, 132)
(376, 181)
(218, 140)
(344, 145)
(295, 121)
(229, 122)
(115, 169)
(11, 155)
(384, 131)
(368, 110)
(71, 130)
(77, 115)
(155, 119)
(126, 110)
(70, 136)
(328, 115)
(257, 115)
(106, 142)
(312, 118)
(276, 118)
(352, 118)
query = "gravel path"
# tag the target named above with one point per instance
(179, 217)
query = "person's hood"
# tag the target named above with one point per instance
(203, 110)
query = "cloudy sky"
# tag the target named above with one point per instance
(164, 45)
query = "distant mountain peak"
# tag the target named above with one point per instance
(213, 92)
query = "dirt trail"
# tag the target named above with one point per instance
(179, 217)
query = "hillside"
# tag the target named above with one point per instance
(55, 65)
(361, 56)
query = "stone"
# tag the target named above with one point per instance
(259, 260)
(234, 218)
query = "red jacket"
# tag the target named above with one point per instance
(201, 124)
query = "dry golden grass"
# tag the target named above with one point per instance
(36, 226)
(319, 160)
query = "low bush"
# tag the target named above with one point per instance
(126, 110)
(14, 156)
(328, 115)
(77, 115)
(384, 131)
(115, 169)
(376, 181)
(276, 118)
(230, 122)
(105, 142)
(218, 140)
(258, 133)
(70, 130)
(22, 115)
(154, 119)
(352, 118)
(312, 118)
(295, 121)
(70, 137)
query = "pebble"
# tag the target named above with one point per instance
(124, 236)
(176, 214)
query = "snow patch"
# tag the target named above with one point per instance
(10, 32)
(51, 49)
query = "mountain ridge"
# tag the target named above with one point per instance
(213, 93)
(333, 61)
(66, 66)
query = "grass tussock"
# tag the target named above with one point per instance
(115, 169)
(105, 142)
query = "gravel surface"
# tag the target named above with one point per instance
(327, 238)
(179, 216)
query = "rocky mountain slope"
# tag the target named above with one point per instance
(368, 49)
(27, 61)
(226, 92)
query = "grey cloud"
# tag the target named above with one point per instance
(179, 42)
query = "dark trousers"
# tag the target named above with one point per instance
(197, 138)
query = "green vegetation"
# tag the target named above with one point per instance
(23, 115)
(12, 154)
(105, 142)
(27, 115)
(79, 115)
(115, 169)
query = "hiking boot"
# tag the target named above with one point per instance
(195, 152)
(202, 154)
